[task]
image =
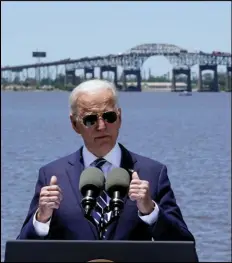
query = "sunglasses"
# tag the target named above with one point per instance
(108, 116)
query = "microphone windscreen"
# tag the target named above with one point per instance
(91, 178)
(117, 180)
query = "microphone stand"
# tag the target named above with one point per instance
(102, 224)
(90, 219)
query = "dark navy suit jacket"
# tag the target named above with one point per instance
(68, 222)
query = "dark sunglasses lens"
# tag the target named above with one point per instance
(89, 120)
(110, 116)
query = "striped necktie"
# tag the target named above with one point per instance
(102, 199)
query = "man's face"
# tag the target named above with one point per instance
(98, 121)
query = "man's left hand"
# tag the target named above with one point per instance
(139, 192)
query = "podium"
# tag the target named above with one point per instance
(99, 251)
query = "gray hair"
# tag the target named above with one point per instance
(90, 86)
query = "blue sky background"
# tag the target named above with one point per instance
(78, 29)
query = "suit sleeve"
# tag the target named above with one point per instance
(28, 230)
(170, 224)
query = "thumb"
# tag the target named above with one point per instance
(53, 180)
(135, 175)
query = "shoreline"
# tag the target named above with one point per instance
(60, 90)
(144, 91)
(51, 88)
(19, 88)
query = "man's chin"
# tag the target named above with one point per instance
(104, 146)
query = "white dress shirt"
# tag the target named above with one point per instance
(113, 160)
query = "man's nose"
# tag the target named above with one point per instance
(101, 124)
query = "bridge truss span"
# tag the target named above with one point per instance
(131, 62)
(158, 49)
(135, 57)
(214, 60)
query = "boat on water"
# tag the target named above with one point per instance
(185, 93)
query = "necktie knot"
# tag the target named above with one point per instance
(99, 162)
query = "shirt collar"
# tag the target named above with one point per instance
(113, 157)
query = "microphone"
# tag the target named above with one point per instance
(116, 186)
(90, 185)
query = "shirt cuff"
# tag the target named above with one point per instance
(41, 229)
(152, 217)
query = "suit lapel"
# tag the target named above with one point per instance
(127, 160)
(74, 170)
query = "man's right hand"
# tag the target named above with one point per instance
(50, 198)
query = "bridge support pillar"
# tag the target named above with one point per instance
(56, 70)
(177, 71)
(70, 77)
(135, 72)
(88, 71)
(228, 78)
(215, 86)
(111, 69)
(27, 73)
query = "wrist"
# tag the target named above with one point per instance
(148, 210)
(41, 218)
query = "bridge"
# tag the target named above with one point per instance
(131, 61)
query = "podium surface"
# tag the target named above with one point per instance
(99, 251)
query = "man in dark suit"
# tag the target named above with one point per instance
(150, 211)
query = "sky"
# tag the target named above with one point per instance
(78, 29)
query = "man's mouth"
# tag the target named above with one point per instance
(102, 137)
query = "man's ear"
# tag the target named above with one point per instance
(74, 123)
(120, 115)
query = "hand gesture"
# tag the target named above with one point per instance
(139, 192)
(50, 198)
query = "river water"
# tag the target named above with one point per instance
(191, 135)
